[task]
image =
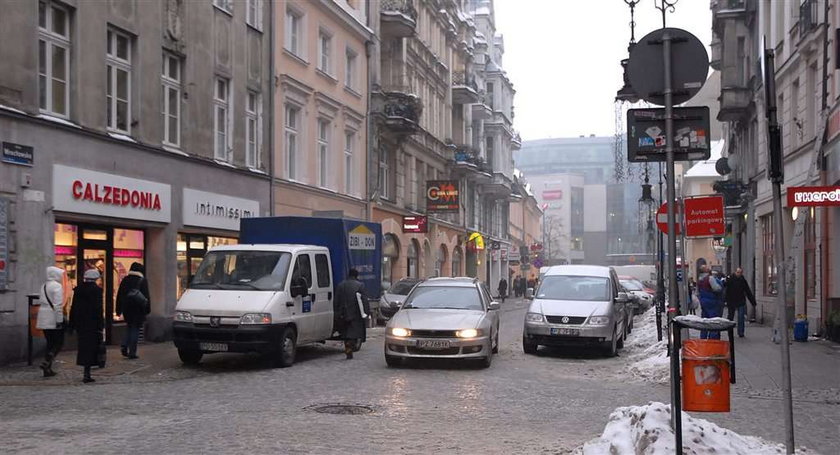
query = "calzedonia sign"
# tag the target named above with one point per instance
(84, 191)
(213, 210)
(813, 196)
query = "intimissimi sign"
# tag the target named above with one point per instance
(89, 192)
(218, 211)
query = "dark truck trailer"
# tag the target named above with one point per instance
(352, 243)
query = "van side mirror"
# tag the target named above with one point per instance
(529, 293)
(298, 290)
(622, 297)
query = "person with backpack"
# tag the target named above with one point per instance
(709, 289)
(51, 317)
(133, 305)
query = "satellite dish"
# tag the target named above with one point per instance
(722, 166)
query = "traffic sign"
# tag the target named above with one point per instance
(689, 66)
(704, 217)
(662, 218)
(679, 275)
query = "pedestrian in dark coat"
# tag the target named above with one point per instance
(86, 320)
(349, 317)
(134, 313)
(711, 304)
(503, 285)
(737, 291)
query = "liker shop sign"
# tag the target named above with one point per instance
(813, 196)
(442, 196)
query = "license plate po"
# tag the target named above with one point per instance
(563, 331)
(214, 347)
(433, 344)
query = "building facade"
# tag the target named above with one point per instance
(131, 133)
(320, 108)
(806, 93)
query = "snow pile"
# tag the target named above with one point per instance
(648, 357)
(640, 430)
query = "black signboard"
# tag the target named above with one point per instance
(18, 154)
(442, 196)
(646, 134)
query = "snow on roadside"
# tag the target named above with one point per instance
(648, 358)
(646, 430)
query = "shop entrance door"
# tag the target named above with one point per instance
(96, 252)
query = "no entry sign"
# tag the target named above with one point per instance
(662, 218)
(704, 217)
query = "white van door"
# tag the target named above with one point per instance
(322, 308)
(302, 312)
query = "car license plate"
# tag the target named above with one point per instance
(433, 344)
(563, 331)
(215, 347)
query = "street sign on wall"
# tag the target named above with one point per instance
(415, 224)
(813, 196)
(646, 134)
(704, 216)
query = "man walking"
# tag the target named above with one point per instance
(709, 290)
(351, 309)
(503, 285)
(737, 293)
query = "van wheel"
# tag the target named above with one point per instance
(611, 347)
(190, 357)
(529, 347)
(285, 355)
(621, 338)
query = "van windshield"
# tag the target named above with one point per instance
(260, 270)
(586, 288)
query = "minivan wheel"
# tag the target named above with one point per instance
(611, 347)
(190, 357)
(285, 355)
(528, 347)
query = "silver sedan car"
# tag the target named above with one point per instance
(444, 318)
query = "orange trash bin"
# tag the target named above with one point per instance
(705, 375)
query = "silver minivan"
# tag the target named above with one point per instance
(577, 305)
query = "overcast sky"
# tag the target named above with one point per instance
(563, 58)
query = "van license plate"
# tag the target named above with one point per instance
(214, 347)
(562, 331)
(433, 344)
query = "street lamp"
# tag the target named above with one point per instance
(646, 210)
(627, 93)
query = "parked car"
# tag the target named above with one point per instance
(394, 297)
(444, 318)
(644, 299)
(631, 307)
(577, 305)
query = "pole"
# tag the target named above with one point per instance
(776, 175)
(660, 276)
(674, 306)
(30, 299)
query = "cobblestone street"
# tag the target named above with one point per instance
(549, 403)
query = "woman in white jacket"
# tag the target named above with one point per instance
(51, 316)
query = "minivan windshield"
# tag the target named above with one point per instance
(444, 297)
(402, 287)
(562, 287)
(260, 270)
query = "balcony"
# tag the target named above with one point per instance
(466, 161)
(499, 187)
(398, 18)
(734, 102)
(516, 141)
(464, 88)
(399, 110)
(481, 110)
(808, 16)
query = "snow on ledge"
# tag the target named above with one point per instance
(646, 430)
(58, 120)
(11, 109)
(122, 137)
(224, 163)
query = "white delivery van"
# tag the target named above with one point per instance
(256, 298)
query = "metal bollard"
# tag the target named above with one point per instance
(30, 299)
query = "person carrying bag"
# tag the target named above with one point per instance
(133, 304)
(51, 317)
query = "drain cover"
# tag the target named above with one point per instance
(343, 409)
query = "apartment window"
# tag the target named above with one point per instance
(323, 152)
(490, 151)
(253, 16)
(796, 118)
(253, 140)
(324, 52)
(743, 62)
(349, 138)
(224, 5)
(171, 99)
(53, 58)
(384, 174)
(490, 96)
(771, 285)
(118, 95)
(221, 119)
(294, 31)
(291, 134)
(350, 70)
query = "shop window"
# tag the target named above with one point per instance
(66, 242)
(93, 234)
(768, 255)
(412, 258)
(456, 262)
(191, 249)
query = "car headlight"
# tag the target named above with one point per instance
(599, 320)
(183, 316)
(535, 318)
(468, 333)
(400, 332)
(255, 318)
